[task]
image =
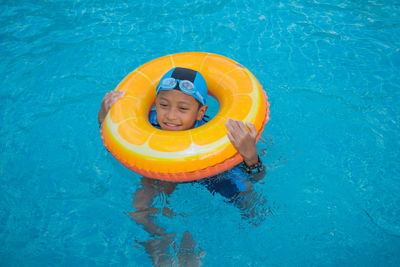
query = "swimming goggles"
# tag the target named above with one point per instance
(185, 86)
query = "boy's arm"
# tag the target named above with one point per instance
(108, 101)
(245, 143)
(244, 140)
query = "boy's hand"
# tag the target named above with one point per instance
(108, 101)
(243, 140)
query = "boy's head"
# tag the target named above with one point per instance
(181, 99)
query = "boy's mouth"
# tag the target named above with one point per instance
(171, 126)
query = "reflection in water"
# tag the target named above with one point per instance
(235, 185)
(267, 143)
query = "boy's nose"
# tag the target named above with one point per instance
(171, 114)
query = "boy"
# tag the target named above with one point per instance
(181, 105)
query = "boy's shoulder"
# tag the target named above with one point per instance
(153, 119)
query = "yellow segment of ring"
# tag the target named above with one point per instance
(183, 155)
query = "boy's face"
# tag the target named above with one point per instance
(177, 111)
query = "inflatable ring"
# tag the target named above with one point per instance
(193, 154)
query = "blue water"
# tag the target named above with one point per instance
(331, 70)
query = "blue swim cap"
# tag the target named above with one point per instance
(198, 91)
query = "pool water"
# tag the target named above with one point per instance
(331, 70)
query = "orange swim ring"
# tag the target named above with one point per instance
(193, 154)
